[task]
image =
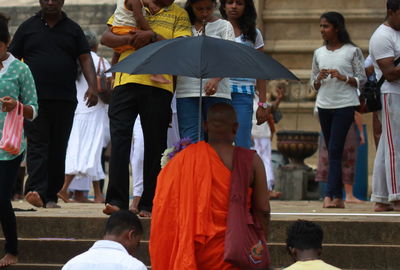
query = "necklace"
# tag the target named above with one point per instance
(199, 31)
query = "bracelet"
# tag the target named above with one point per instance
(347, 79)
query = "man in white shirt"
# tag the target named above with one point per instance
(114, 252)
(384, 48)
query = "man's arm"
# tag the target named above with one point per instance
(17, 44)
(389, 70)
(137, 39)
(112, 40)
(260, 200)
(90, 75)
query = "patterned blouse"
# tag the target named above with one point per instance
(333, 93)
(17, 82)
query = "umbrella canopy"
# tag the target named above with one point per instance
(203, 57)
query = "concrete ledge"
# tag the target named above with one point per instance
(307, 15)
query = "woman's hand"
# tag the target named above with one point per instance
(211, 86)
(335, 74)
(323, 74)
(8, 104)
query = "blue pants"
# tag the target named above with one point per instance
(243, 105)
(188, 115)
(335, 123)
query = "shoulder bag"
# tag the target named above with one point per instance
(104, 83)
(245, 244)
(370, 98)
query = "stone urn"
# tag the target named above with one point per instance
(297, 145)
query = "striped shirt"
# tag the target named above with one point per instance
(246, 85)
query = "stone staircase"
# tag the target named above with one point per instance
(47, 242)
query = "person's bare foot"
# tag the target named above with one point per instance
(396, 206)
(33, 198)
(81, 198)
(273, 194)
(8, 259)
(64, 196)
(109, 209)
(352, 199)
(328, 203)
(52, 205)
(18, 197)
(134, 207)
(382, 207)
(159, 78)
(338, 203)
(99, 198)
(144, 213)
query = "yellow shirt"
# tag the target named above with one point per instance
(170, 22)
(311, 265)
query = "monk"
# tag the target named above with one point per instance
(192, 198)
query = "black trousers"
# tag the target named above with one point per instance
(335, 123)
(8, 176)
(48, 138)
(153, 105)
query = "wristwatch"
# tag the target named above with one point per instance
(264, 105)
(154, 37)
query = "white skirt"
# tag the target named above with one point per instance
(86, 143)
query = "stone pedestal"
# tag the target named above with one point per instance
(296, 183)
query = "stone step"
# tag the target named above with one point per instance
(57, 252)
(304, 24)
(374, 232)
(327, 4)
(297, 54)
(34, 266)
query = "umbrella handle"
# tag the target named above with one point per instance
(200, 109)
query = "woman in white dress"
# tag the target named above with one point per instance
(87, 139)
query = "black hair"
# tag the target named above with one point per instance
(4, 32)
(393, 5)
(304, 235)
(337, 20)
(121, 221)
(189, 9)
(247, 23)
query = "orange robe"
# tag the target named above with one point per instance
(190, 211)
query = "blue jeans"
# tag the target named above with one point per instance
(335, 123)
(243, 105)
(188, 115)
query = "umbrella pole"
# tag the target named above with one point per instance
(200, 106)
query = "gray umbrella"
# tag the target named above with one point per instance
(203, 57)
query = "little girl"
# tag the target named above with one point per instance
(129, 16)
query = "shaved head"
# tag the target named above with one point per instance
(221, 112)
(221, 122)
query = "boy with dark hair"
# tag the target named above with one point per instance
(115, 252)
(304, 244)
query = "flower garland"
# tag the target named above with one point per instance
(169, 153)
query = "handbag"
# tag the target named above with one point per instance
(12, 130)
(245, 244)
(104, 83)
(370, 98)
